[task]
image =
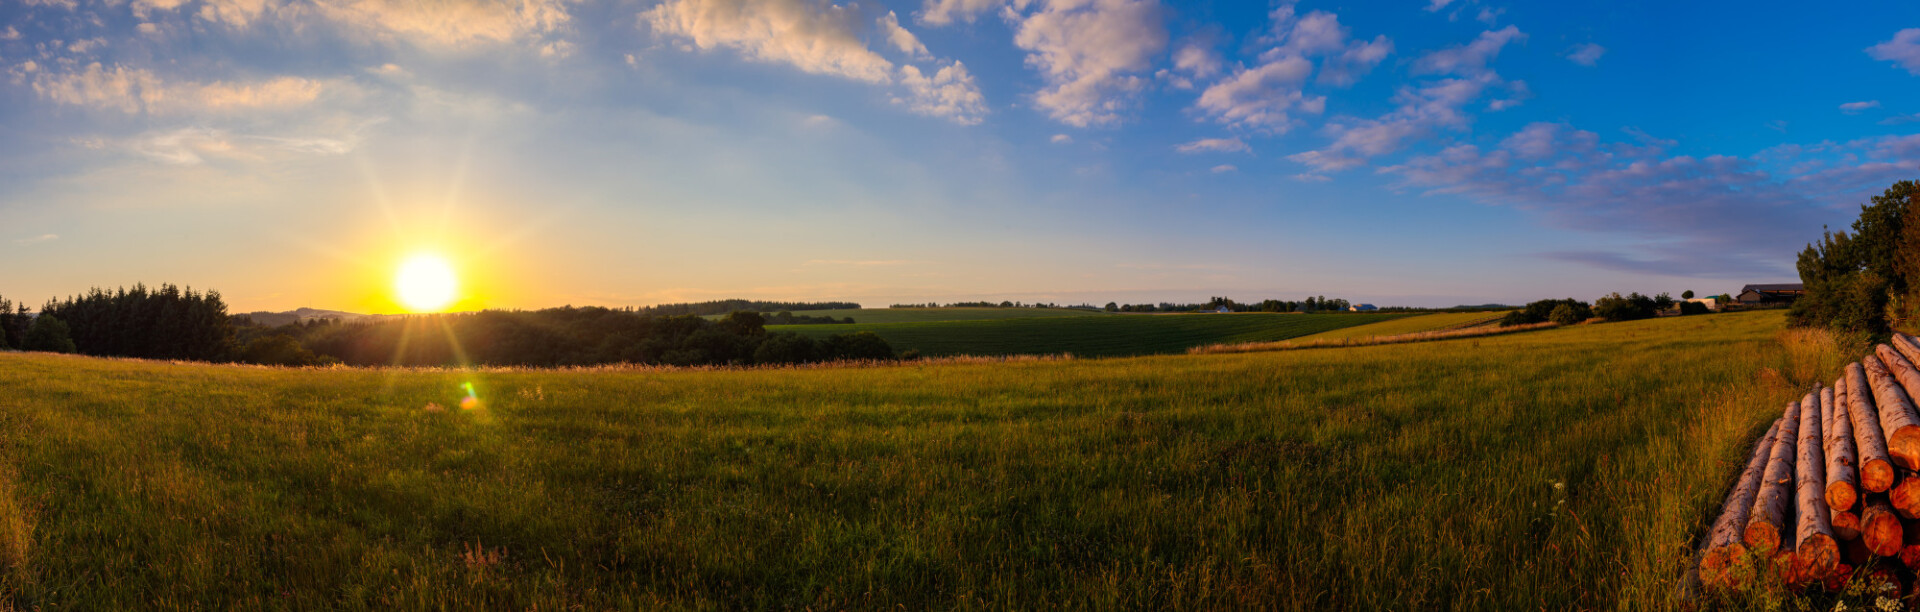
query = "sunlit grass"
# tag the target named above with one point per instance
(1561, 468)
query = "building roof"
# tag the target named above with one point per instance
(1775, 287)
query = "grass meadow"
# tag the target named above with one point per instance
(1094, 336)
(1439, 321)
(1565, 468)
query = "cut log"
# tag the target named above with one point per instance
(1876, 467)
(1905, 496)
(1846, 526)
(1767, 522)
(1880, 528)
(1843, 479)
(1815, 551)
(1908, 346)
(1898, 423)
(1724, 547)
(1826, 425)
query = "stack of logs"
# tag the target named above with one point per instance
(1828, 487)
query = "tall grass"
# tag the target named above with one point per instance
(1567, 468)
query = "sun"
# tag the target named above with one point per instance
(425, 283)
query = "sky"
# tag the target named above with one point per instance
(292, 153)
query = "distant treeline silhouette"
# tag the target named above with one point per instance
(174, 323)
(720, 307)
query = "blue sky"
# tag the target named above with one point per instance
(291, 152)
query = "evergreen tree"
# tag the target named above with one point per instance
(49, 334)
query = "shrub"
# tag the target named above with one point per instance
(1633, 306)
(1542, 311)
(1567, 314)
(49, 334)
(786, 347)
(1693, 308)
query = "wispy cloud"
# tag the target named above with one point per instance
(1224, 168)
(860, 262)
(1586, 54)
(1855, 108)
(136, 90)
(1223, 145)
(37, 239)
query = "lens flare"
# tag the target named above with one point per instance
(425, 283)
(471, 401)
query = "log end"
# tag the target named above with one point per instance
(1846, 526)
(1762, 537)
(1904, 445)
(1816, 558)
(1876, 476)
(1841, 494)
(1882, 534)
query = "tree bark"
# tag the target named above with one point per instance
(1880, 528)
(1815, 550)
(1876, 468)
(1908, 346)
(1843, 479)
(1767, 521)
(1724, 546)
(1897, 420)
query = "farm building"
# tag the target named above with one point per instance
(1780, 293)
(1223, 310)
(1362, 307)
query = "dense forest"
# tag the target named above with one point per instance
(174, 323)
(1866, 282)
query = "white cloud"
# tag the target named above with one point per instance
(1265, 96)
(443, 22)
(65, 4)
(1586, 54)
(1223, 169)
(943, 12)
(814, 37)
(1903, 49)
(1061, 139)
(9, 34)
(949, 94)
(1224, 145)
(134, 90)
(1436, 5)
(1199, 61)
(37, 239)
(1854, 108)
(1260, 97)
(1470, 59)
(1087, 50)
(198, 145)
(903, 40)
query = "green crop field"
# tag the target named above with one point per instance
(1410, 325)
(915, 315)
(1566, 468)
(1102, 336)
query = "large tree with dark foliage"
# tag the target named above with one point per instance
(163, 323)
(1542, 311)
(1863, 281)
(14, 321)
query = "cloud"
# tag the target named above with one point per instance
(859, 262)
(1434, 6)
(1222, 145)
(1223, 169)
(1586, 54)
(818, 38)
(1061, 139)
(944, 12)
(1087, 51)
(135, 90)
(446, 22)
(949, 94)
(1855, 108)
(1260, 97)
(199, 145)
(37, 239)
(1423, 108)
(903, 40)
(1266, 96)
(1692, 215)
(1470, 59)
(9, 34)
(822, 38)
(1903, 49)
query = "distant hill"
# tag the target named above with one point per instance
(301, 315)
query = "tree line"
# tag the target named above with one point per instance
(720, 307)
(1611, 307)
(1866, 282)
(174, 323)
